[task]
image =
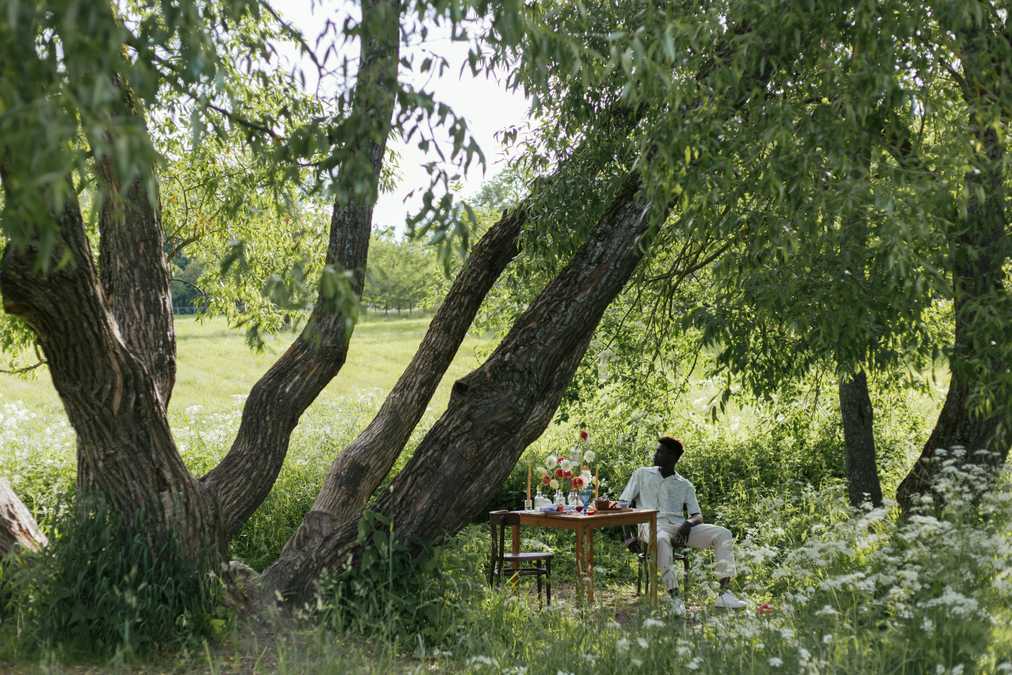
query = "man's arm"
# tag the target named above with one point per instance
(632, 488)
(695, 514)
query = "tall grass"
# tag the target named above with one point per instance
(102, 587)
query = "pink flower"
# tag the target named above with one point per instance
(764, 609)
(568, 474)
(560, 473)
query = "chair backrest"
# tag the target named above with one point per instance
(498, 521)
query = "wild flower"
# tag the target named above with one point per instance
(482, 660)
(775, 662)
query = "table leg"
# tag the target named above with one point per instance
(516, 549)
(579, 565)
(652, 583)
(590, 565)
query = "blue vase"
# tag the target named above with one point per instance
(586, 495)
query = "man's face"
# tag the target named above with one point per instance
(663, 457)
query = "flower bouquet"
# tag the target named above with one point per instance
(570, 473)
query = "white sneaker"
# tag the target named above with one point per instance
(727, 600)
(676, 605)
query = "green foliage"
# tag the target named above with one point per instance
(101, 588)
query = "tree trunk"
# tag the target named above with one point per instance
(132, 265)
(245, 476)
(975, 415)
(499, 409)
(855, 409)
(17, 527)
(123, 436)
(360, 468)
(855, 403)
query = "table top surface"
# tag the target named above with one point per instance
(597, 519)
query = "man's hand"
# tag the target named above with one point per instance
(683, 533)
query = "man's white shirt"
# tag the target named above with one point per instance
(668, 495)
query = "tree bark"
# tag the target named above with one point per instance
(360, 468)
(245, 476)
(499, 409)
(17, 527)
(859, 437)
(974, 417)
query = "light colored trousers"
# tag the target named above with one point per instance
(702, 536)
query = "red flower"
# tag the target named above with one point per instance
(577, 483)
(584, 435)
(559, 473)
(568, 474)
(764, 609)
(546, 479)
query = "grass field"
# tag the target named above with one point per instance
(216, 369)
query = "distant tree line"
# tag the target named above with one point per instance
(402, 274)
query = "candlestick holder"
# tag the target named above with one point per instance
(528, 505)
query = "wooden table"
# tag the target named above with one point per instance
(584, 527)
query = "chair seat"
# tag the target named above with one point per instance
(531, 555)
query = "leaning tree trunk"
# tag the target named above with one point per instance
(360, 468)
(975, 415)
(17, 527)
(363, 465)
(859, 437)
(245, 476)
(500, 408)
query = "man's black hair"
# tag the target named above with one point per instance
(672, 445)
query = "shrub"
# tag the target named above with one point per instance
(101, 588)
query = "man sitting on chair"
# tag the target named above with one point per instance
(661, 487)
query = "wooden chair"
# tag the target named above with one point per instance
(530, 564)
(641, 550)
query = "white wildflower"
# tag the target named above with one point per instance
(481, 660)
(694, 664)
(786, 633)
(927, 625)
(776, 662)
(826, 611)
(642, 643)
(637, 662)
(957, 669)
(827, 638)
(622, 645)
(653, 623)
(804, 655)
